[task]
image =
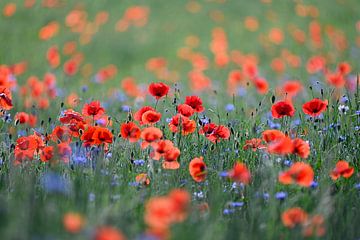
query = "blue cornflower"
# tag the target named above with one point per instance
(55, 183)
(280, 195)
(236, 204)
(229, 107)
(228, 211)
(125, 108)
(139, 162)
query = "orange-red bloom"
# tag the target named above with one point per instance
(294, 216)
(195, 102)
(240, 173)
(187, 126)
(73, 222)
(150, 135)
(342, 169)
(314, 107)
(108, 233)
(282, 109)
(272, 135)
(197, 169)
(158, 90)
(93, 109)
(130, 131)
(150, 117)
(254, 144)
(281, 146)
(138, 115)
(185, 110)
(5, 99)
(299, 173)
(170, 159)
(301, 148)
(95, 135)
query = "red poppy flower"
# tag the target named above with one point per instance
(220, 132)
(93, 109)
(5, 99)
(301, 148)
(95, 135)
(102, 135)
(130, 131)
(150, 117)
(108, 233)
(281, 146)
(158, 90)
(26, 147)
(208, 129)
(342, 169)
(294, 216)
(185, 110)
(187, 126)
(254, 144)
(61, 133)
(272, 135)
(292, 88)
(240, 173)
(344, 68)
(68, 115)
(197, 169)
(138, 115)
(314, 107)
(47, 154)
(282, 109)
(195, 102)
(261, 85)
(73, 222)
(21, 117)
(314, 226)
(336, 79)
(170, 159)
(143, 179)
(300, 173)
(161, 147)
(150, 135)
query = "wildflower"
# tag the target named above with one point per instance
(138, 115)
(150, 135)
(315, 107)
(150, 117)
(73, 222)
(343, 109)
(343, 169)
(301, 148)
(240, 173)
(108, 233)
(282, 109)
(158, 90)
(93, 109)
(272, 135)
(170, 159)
(197, 169)
(281, 195)
(5, 99)
(281, 146)
(54, 183)
(314, 226)
(254, 144)
(294, 216)
(195, 102)
(130, 131)
(143, 179)
(185, 110)
(188, 126)
(300, 173)
(229, 107)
